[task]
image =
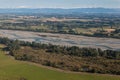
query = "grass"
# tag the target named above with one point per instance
(86, 31)
(11, 69)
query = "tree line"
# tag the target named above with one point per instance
(13, 45)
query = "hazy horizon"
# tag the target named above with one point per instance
(65, 4)
(63, 8)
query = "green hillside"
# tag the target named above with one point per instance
(11, 69)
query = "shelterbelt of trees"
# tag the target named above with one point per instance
(98, 33)
(67, 58)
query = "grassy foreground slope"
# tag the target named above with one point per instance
(11, 69)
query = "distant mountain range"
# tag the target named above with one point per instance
(61, 11)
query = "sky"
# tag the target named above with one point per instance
(59, 3)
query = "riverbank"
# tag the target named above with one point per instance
(63, 39)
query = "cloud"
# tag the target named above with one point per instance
(22, 7)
